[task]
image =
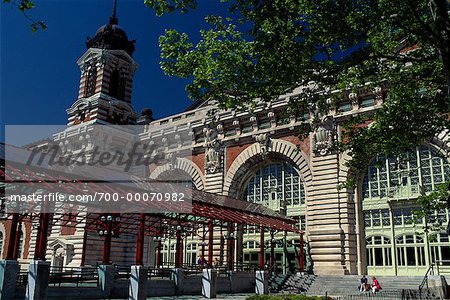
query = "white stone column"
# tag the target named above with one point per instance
(8, 278)
(106, 279)
(38, 274)
(138, 283)
(178, 278)
(262, 282)
(209, 283)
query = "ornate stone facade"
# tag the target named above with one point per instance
(228, 148)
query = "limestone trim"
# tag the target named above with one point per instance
(251, 156)
(185, 165)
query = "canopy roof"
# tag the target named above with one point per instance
(202, 207)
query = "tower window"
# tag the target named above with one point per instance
(117, 85)
(91, 82)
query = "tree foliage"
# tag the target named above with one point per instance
(24, 6)
(264, 49)
(437, 200)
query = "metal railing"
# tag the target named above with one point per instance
(388, 295)
(22, 278)
(163, 273)
(122, 272)
(442, 267)
(424, 282)
(439, 267)
(73, 276)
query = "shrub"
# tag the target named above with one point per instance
(284, 297)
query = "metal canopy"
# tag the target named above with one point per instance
(205, 206)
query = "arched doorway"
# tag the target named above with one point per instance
(277, 185)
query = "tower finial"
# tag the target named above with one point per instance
(113, 19)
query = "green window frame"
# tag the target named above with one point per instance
(424, 166)
(276, 182)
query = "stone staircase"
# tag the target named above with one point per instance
(346, 287)
(277, 282)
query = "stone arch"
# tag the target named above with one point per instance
(185, 165)
(441, 142)
(242, 166)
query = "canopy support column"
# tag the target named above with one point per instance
(42, 235)
(178, 248)
(158, 254)
(210, 243)
(10, 255)
(301, 258)
(140, 241)
(261, 248)
(107, 245)
(272, 251)
(230, 243)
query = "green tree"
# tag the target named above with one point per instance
(437, 200)
(24, 6)
(264, 49)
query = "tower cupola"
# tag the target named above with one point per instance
(111, 36)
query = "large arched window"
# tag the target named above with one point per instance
(275, 183)
(403, 176)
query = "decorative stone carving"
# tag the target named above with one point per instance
(254, 121)
(323, 136)
(213, 151)
(265, 143)
(378, 95)
(178, 140)
(172, 160)
(212, 115)
(220, 128)
(353, 97)
(237, 127)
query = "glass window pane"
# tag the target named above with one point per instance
(367, 221)
(445, 253)
(378, 256)
(386, 217)
(387, 257)
(369, 257)
(410, 256)
(400, 256)
(376, 218)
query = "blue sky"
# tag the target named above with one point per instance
(39, 74)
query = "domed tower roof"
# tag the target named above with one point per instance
(111, 36)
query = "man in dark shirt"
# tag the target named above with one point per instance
(363, 285)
